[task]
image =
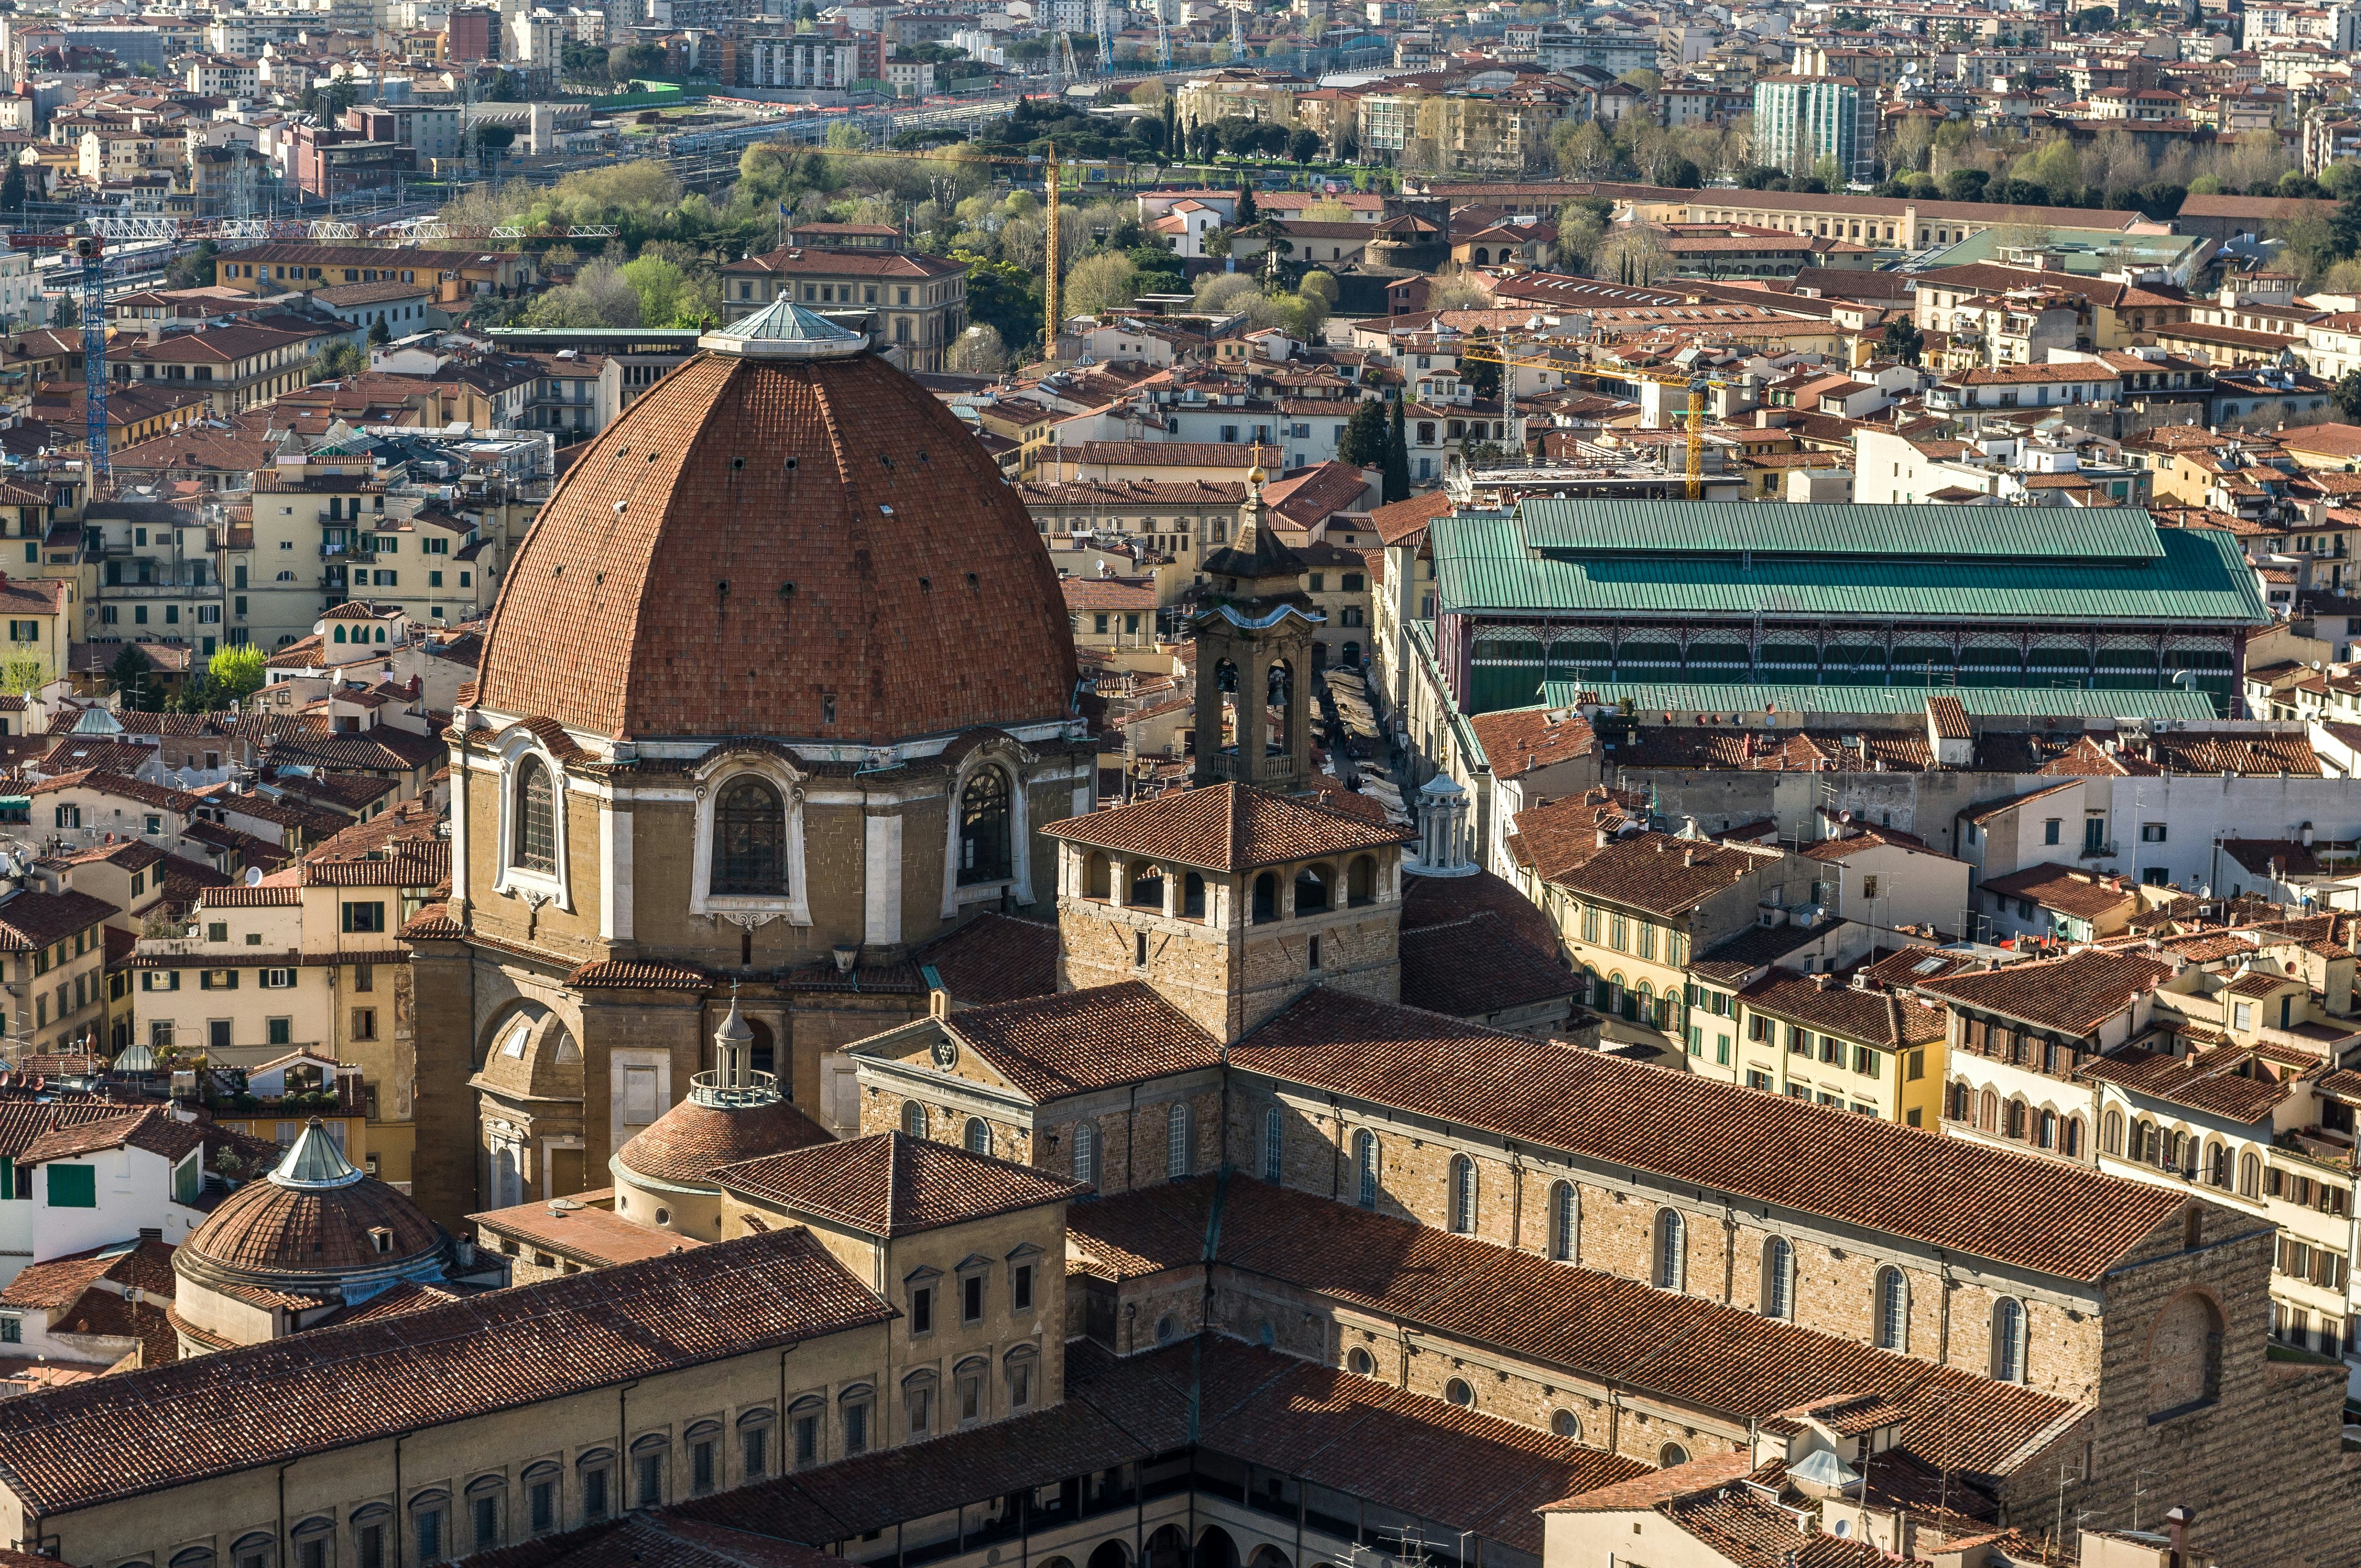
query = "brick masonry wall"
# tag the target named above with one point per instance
(1834, 1279)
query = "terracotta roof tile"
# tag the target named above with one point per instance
(1475, 966)
(1946, 1192)
(255, 1406)
(1226, 828)
(2062, 888)
(1683, 1349)
(1661, 873)
(1523, 741)
(1075, 1041)
(894, 530)
(892, 1185)
(995, 958)
(2073, 994)
(691, 1141)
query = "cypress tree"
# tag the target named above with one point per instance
(1397, 485)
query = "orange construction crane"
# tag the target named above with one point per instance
(1697, 385)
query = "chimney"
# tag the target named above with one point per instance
(2179, 1520)
(1688, 857)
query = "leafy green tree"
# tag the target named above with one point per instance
(1397, 481)
(21, 674)
(379, 334)
(135, 680)
(1246, 210)
(1965, 185)
(235, 671)
(626, 61)
(1365, 443)
(1302, 146)
(2347, 394)
(193, 271)
(1902, 341)
(12, 189)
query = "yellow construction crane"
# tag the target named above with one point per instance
(1486, 353)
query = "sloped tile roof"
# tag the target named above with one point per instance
(1226, 828)
(1475, 966)
(2073, 994)
(1661, 873)
(1080, 1040)
(329, 1388)
(890, 1184)
(995, 958)
(1686, 1349)
(1971, 1198)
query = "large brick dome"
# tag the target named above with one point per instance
(314, 1225)
(784, 539)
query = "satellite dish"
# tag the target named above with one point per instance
(254, 876)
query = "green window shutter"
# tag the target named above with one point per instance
(73, 1186)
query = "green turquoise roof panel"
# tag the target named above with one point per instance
(1606, 526)
(2199, 579)
(2015, 701)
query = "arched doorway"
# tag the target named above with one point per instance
(763, 1054)
(1215, 1548)
(1168, 1547)
(1111, 1554)
(1267, 1557)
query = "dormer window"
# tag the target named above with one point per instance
(380, 1241)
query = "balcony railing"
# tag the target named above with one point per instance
(1278, 767)
(759, 1089)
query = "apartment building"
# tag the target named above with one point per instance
(307, 963)
(916, 303)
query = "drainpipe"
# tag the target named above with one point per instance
(623, 1447)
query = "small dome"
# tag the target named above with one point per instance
(692, 1140)
(309, 1224)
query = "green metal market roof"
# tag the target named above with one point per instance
(1483, 565)
(2034, 702)
(1606, 526)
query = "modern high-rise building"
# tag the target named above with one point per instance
(1799, 120)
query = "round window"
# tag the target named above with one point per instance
(1563, 1423)
(1458, 1393)
(663, 1216)
(1360, 1363)
(1164, 1331)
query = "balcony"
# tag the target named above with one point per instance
(2100, 852)
(759, 1089)
(1276, 767)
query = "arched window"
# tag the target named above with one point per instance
(977, 1137)
(2111, 1132)
(1361, 882)
(2008, 1341)
(750, 839)
(2073, 1147)
(984, 850)
(1311, 890)
(2016, 1123)
(1893, 1310)
(1565, 1424)
(1459, 1392)
(535, 845)
(1463, 1194)
(1672, 1453)
(1778, 1279)
(1987, 1111)
(1365, 1168)
(2217, 1164)
(1360, 1363)
(2184, 1358)
(2048, 1130)
(1565, 1218)
(1192, 896)
(1672, 1252)
(914, 1118)
(1176, 1162)
(1265, 897)
(2250, 1175)
(1086, 1153)
(1098, 877)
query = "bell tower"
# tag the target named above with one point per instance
(1254, 655)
